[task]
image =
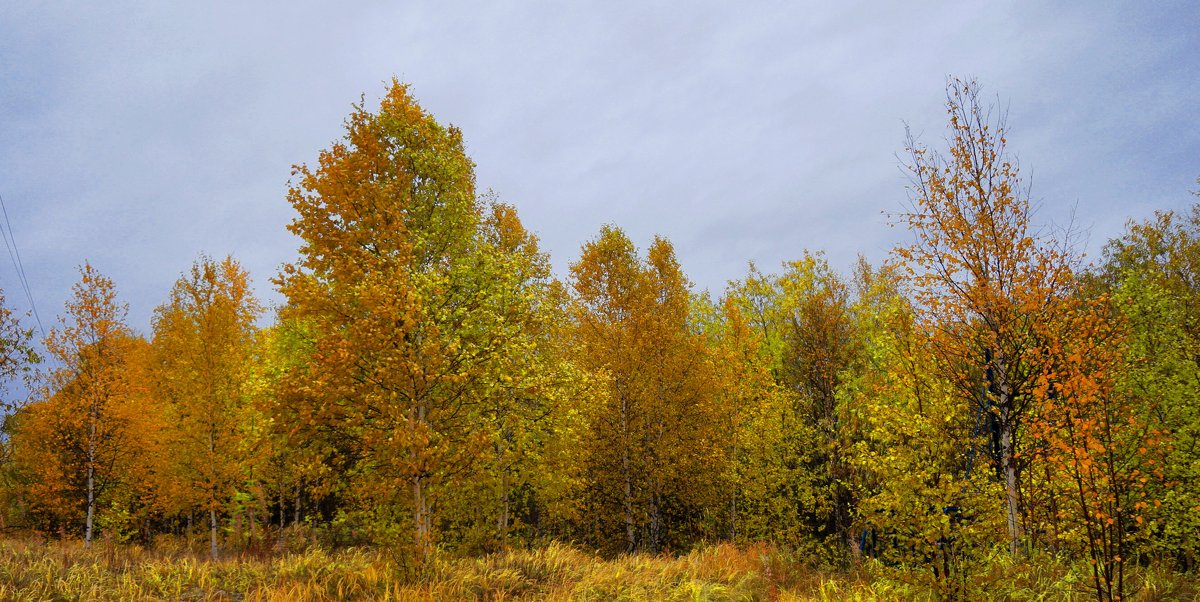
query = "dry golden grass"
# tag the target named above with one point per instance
(30, 570)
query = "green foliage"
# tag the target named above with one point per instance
(800, 329)
(1153, 272)
(929, 500)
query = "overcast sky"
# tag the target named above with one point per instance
(136, 135)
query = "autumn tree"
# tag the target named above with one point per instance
(78, 440)
(652, 445)
(820, 345)
(527, 478)
(983, 277)
(288, 468)
(203, 339)
(1095, 439)
(140, 495)
(413, 311)
(759, 483)
(49, 455)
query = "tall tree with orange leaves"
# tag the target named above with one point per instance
(53, 448)
(983, 276)
(81, 430)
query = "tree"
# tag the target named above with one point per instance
(755, 416)
(409, 305)
(289, 468)
(984, 278)
(203, 341)
(87, 413)
(526, 479)
(1095, 438)
(811, 344)
(653, 449)
(820, 346)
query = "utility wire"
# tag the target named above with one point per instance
(15, 255)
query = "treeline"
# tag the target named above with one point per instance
(429, 384)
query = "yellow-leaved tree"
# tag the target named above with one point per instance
(756, 412)
(203, 339)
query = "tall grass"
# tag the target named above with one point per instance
(68, 571)
(33, 570)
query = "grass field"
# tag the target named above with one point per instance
(36, 571)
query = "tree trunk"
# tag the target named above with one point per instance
(1011, 492)
(212, 531)
(212, 494)
(737, 485)
(282, 508)
(296, 507)
(503, 517)
(91, 480)
(733, 513)
(630, 539)
(655, 523)
(1008, 462)
(91, 505)
(420, 519)
(238, 527)
(250, 516)
(1053, 512)
(841, 497)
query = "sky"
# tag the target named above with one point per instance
(137, 135)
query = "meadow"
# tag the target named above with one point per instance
(34, 569)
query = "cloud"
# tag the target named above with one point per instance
(140, 134)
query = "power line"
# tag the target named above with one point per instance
(15, 255)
